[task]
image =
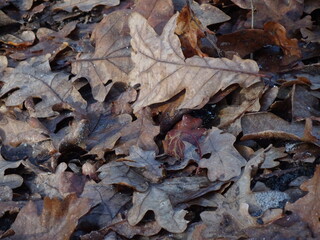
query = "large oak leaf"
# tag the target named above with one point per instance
(162, 71)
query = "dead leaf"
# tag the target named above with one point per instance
(50, 218)
(311, 5)
(187, 130)
(224, 161)
(160, 59)
(120, 173)
(107, 202)
(104, 129)
(33, 78)
(140, 132)
(307, 207)
(50, 42)
(271, 155)
(279, 35)
(157, 12)
(15, 132)
(8, 181)
(311, 36)
(26, 38)
(246, 100)
(69, 5)
(286, 13)
(267, 125)
(190, 31)
(111, 61)
(208, 14)
(23, 5)
(162, 198)
(58, 184)
(151, 168)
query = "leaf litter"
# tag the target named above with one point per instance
(169, 119)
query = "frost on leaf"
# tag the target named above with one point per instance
(163, 72)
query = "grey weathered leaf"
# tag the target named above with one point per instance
(33, 78)
(224, 162)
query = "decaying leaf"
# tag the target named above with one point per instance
(152, 169)
(111, 61)
(69, 5)
(33, 78)
(307, 207)
(187, 130)
(163, 72)
(50, 218)
(224, 161)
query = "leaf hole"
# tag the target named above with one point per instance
(206, 156)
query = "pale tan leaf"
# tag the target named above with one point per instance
(163, 72)
(86, 6)
(111, 60)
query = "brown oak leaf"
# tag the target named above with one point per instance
(50, 218)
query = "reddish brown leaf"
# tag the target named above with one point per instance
(157, 12)
(190, 32)
(188, 129)
(50, 219)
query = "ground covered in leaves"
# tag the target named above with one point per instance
(159, 119)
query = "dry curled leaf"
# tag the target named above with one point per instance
(163, 72)
(224, 161)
